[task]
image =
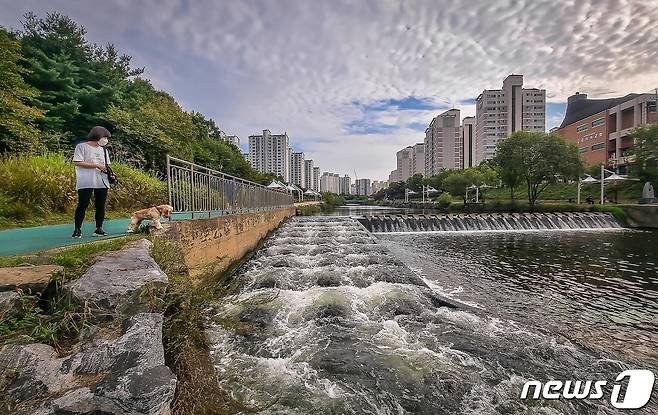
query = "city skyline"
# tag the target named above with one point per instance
(373, 74)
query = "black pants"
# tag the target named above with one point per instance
(84, 197)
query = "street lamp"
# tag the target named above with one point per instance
(587, 180)
(427, 190)
(614, 177)
(408, 192)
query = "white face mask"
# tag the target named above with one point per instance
(103, 142)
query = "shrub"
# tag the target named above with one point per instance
(46, 183)
(445, 200)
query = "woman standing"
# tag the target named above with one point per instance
(90, 158)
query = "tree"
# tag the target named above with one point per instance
(415, 183)
(18, 132)
(538, 159)
(77, 80)
(645, 152)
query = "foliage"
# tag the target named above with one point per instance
(57, 85)
(17, 116)
(38, 185)
(538, 159)
(445, 200)
(332, 200)
(457, 181)
(645, 150)
(77, 80)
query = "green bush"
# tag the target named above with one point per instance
(445, 200)
(33, 185)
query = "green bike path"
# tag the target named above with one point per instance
(41, 238)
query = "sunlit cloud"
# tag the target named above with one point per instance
(352, 82)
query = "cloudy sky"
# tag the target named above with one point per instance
(354, 81)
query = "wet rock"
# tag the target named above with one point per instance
(9, 302)
(34, 278)
(123, 376)
(125, 281)
(258, 317)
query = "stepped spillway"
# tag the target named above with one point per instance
(490, 222)
(327, 320)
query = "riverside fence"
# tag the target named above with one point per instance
(198, 190)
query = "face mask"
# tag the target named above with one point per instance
(103, 142)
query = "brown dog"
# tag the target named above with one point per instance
(152, 214)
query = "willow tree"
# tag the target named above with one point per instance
(536, 159)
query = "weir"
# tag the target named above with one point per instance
(489, 222)
(329, 320)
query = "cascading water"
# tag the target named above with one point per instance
(329, 322)
(490, 222)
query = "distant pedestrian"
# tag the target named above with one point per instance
(91, 161)
(590, 200)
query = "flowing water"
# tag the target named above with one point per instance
(331, 319)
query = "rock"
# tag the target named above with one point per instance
(123, 376)
(9, 301)
(33, 278)
(125, 281)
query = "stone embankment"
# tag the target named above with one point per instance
(118, 367)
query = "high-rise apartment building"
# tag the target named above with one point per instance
(443, 146)
(468, 142)
(501, 112)
(378, 185)
(233, 139)
(308, 174)
(393, 177)
(330, 182)
(410, 161)
(363, 187)
(297, 169)
(315, 183)
(270, 153)
(344, 185)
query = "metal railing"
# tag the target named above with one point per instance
(196, 189)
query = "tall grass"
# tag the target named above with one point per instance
(37, 184)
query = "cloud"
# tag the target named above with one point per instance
(352, 82)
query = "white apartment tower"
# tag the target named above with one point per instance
(468, 142)
(297, 169)
(330, 182)
(308, 174)
(270, 153)
(315, 183)
(443, 146)
(410, 161)
(501, 112)
(363, 187)
(345, 185)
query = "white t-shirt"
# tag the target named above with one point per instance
(86, 178)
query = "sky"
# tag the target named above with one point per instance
(352, 82)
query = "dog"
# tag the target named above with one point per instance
(153, 214)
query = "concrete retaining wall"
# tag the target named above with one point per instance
(214, 244)
(641, 216)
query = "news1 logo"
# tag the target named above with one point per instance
(639, 385)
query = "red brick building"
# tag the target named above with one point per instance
(601, 127)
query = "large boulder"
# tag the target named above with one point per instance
(125, 281)
(34, 278)
(123, 376)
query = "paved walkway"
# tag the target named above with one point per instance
(41, 238)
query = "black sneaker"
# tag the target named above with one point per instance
(77, 234)
(99, 232)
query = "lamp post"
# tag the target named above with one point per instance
(427, 190)
(408, 192)
(587, 180)
(613, 177)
